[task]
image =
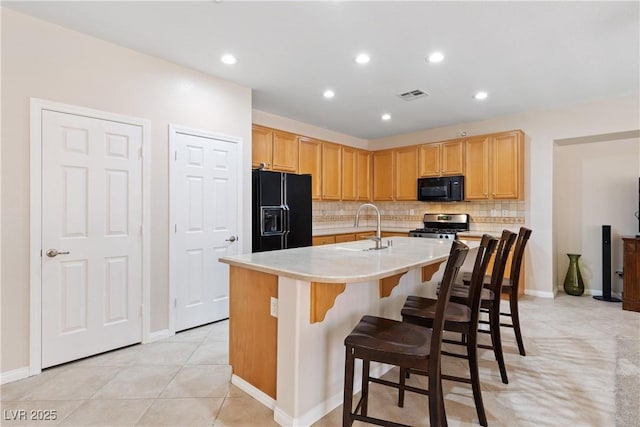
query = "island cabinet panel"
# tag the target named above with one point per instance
(331, 171)
(406, 173)
(349, 173)
(363, 172)
(252, 327)
(631, 276)
(310, 161)
(441, 158)
(383, 175)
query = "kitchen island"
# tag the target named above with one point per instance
(294, 363)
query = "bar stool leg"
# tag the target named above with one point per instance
(494, 324)
(515, 321)
(347, 420)
(365, 388)
(472, 354)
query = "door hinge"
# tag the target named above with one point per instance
(140, 153)
(175, 228)
(175, 303)
(175, 155)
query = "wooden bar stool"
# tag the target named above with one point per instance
(402, 344)
(511, 284)
(462, 318)
(490, 299)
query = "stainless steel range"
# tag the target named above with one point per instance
(442, 226)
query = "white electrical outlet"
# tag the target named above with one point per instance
(505, 212)
(274, 307)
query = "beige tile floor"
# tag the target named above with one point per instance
(567, 378)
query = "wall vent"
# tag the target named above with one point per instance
(413, 94)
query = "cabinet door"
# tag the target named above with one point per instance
(349, 179)
(383, 175)
(341, 238)
(506, 166)
(285, 152)
(429, 160)
(323, 240)
(310, 161)
(261, 147)
(452, 157)
(331, 171)
(363, 171)
(476, 185)
(406, 173)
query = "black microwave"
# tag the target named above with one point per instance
(441, 189)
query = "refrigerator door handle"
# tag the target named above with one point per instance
(287, 226)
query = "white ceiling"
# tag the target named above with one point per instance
(526, 55)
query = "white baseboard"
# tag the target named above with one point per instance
(15, 375)
(159, 335)
(323, 408)
(254, 392)
(539, 294)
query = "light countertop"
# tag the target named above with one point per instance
(347, 262)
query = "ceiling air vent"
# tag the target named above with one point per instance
(413, 94)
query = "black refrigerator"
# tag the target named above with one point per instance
(281, 215)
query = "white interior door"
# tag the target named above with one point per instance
(204, 205)
(92, 219)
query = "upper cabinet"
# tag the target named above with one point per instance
(331, 171)
(406, 173)
(363, 171)
(261, 147)
(277, 150)
(310, 161)
(442, 158)
(383, 175)
(349, 173)
(494, 166)
(491, 164)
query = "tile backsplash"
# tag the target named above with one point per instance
(484, 215)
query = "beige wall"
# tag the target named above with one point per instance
(299, 128)
(596, 184)
(542, 128)
(46, 61)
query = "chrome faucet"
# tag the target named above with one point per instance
(378, 236)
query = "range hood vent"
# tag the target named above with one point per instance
(413, 94)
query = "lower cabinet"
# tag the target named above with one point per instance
(631, 275)
(350, 237)
(323, 240)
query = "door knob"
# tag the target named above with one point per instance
(51, 253)
(230, 239)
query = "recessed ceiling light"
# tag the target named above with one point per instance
(328, 93)
(435, 57)
(481, 95)
(363, 58)
(228, 59)
(386, 117)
